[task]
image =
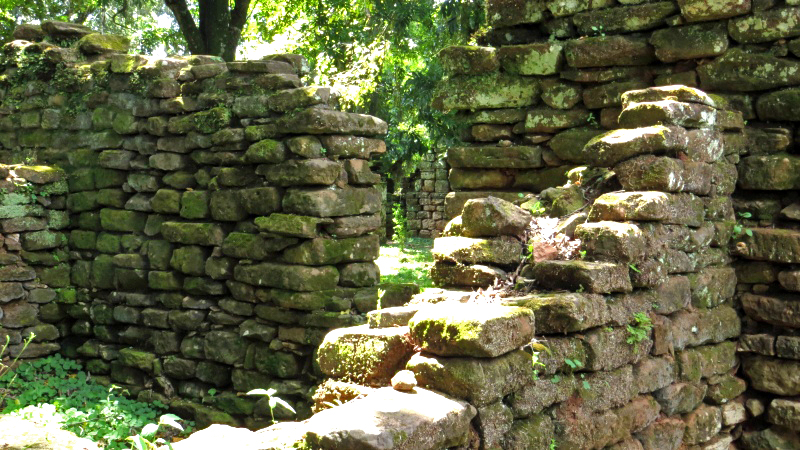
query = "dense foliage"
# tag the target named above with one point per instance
(57, 390)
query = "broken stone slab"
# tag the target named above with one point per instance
(480, 381)
(470, 329)
(613, 147)
(503, 251)
(654, 173)
(493, 217)
(769, 244)
(365, 355)
(514, 157)
(565, 312)
(593, 277)
(389, 419)
(680, 209)
(612, 241)
(453, 275)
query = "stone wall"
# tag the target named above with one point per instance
(424, 195)
(221, 217)
(34, 271)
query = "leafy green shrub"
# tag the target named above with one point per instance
(57, 387)
(640, 330)
(400, 224)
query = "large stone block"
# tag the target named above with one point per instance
(653, 173)
(565, 312)
(613, 147)
(612, 241)
(324, 251)
(607, 51)
(480, 381)
(501, 251)
(770, 244)
(680, 209)
(285, 276)
(493, 216)
(593, 277)
(702, 10)
(332, 202)
(623, 19)
(470, 92)
(468, 60)
(740, 71)
(471, 329)
(690, 42)
(781, 310)
(765, 26)
(531, 59)
(365, 355)
(515, 157)
(769, 172)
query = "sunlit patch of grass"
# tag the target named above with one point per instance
(409, 263)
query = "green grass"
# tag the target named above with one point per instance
(409, 263)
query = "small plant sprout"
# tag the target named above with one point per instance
(738, 229)
(640, 329)
(145, 439)
(274, 401)
(634, 268)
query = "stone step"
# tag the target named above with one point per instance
(453, 275)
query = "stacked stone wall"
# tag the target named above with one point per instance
(220, 217)
(424, 196)
(34, 270)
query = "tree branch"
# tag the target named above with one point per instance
(194, 40)
(239, 16)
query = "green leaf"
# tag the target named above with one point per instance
(259, 392)
(149, 430)
(283, 403)
(171, 420)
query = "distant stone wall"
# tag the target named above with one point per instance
(424, 196)
(35, 291)
(221, 217)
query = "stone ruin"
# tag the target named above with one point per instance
(622, 259)
(206, 225)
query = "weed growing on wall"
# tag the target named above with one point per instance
(640, 329)
(400, 224)
(59, 390)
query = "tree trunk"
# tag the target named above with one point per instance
(218, 28)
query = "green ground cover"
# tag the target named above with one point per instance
(409, 262)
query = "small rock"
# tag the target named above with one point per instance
(404, 381)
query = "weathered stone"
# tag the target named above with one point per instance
(690, 42)
(515, 157)
(302, 172)
(546, 120)
(565, 313)
(682, 209)
(613, 147)
(669, 112)
(702, 424)
(478, 275)
(472, 330)
(769, 244)
(493, 217)
(503, 13)
(501, 251)
(389, 419)
(766, 26)
(285, 276)
(531, 59)
(702, 10)
(467, 92)
(480, 381)
(612, 241)
(624, 19)
(468, 60)
(741, 72)
(332, 202)
(365, 355)
(665, 174)
(606, 51)
(322, 251)
(781, 309)
(594, 277)
(769, 172)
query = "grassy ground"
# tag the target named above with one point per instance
(408, 263)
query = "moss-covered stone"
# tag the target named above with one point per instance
(122, 220)
(166, 201)
(469, 92)
(684, 209)
(332, 202)
(189, 260)
(209, 234)
(364, 355)
(607, 51)
(468, 60)
(291, 277)
(322, 251)
(291, 225)
(300, 172)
